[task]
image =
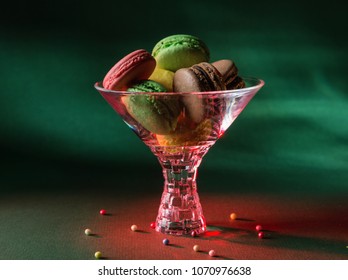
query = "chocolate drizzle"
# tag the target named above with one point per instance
(209, 77)
(206, 81)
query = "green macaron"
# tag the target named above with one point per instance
(147, 86)
(180, 51)
(155, 112)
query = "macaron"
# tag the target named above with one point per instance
(198, 78)
(137, 65)
(180, 51)
(164, 77)
(147, 86)
(237, 83)
(156, 113)
(229, 72)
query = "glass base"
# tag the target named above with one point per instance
(180, 211)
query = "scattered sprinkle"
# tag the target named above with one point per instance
(88, 231)
(102, 212)
(166, 241)
(196, 248)
(258, 227)
(261, 234)
(98, 255)
(134, 228)
(233, 216)
(212, 253)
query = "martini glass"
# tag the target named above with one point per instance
(201, 119)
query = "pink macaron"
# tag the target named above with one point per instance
(135, 66)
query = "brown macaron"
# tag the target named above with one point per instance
(198, 78)
(229, 72)
(237, 83)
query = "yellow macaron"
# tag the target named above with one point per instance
(164, 77)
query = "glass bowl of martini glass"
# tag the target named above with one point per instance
(179, 128)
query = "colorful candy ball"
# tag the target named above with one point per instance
(134, 228)
(233, 216)
(261, 235)
(153, 225)
(102, 212)
(98, 255)
(258, 227)
(196, 248)
(212, 253)
(88, 231)
(165, 241)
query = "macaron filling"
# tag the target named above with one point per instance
(210, 79)
(206, 82)
(228, 71)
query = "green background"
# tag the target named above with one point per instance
(56, 131)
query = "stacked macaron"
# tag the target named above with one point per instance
(186, 59)
(178, 63)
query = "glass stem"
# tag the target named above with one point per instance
(180, 211)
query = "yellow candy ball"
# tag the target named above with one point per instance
(98, 255)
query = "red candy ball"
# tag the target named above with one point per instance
(194, 234)
(261, 234)
(102, 212)
(153, 225)
(258, 227)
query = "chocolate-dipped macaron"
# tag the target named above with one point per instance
(229, 72)
(200, 77)
(237, 83)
